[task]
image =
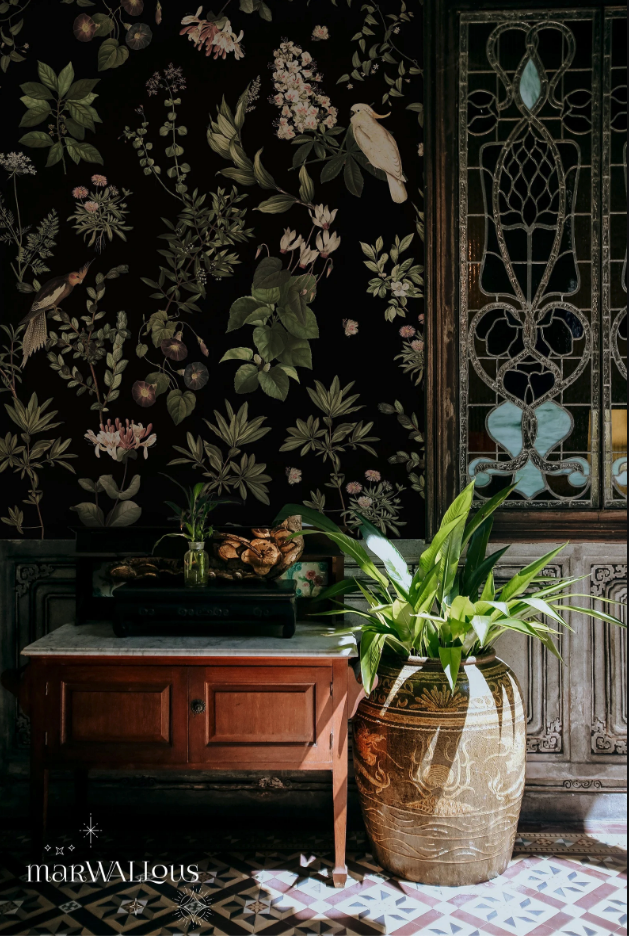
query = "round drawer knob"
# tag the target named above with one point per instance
(197, 706)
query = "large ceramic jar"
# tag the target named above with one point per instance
(441, 774)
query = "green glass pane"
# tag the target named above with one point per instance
(530, 85)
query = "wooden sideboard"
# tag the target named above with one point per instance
(96, 701)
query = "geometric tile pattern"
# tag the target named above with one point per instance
(568, 884)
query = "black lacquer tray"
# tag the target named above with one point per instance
(219, 610)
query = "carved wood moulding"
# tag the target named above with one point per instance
(608, 655)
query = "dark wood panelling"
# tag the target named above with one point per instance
(257, 714)
(131, 715)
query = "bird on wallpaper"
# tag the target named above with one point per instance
(379, 147)
(48, 298)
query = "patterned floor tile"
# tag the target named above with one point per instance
(383, 908)
(20, 904)
(557, 883)
(59, 926)
(557, 843)
(611, 909)
(582, 928)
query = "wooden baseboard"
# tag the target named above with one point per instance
(552, 526)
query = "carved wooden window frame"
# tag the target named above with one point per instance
(441, 34)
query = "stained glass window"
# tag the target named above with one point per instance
(533, 390)
(614, 244)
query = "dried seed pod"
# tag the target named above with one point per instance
(262, 556)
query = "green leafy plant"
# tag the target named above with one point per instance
(194, 517)
(225, 137)
(67, 105)
(111, 28)
(328, 439)
(32, 247)
(414, 462)
(451, 607)
(378, 46)
(198, 248)
(257, 6)
(10, 28)
(379, 502)
(334, 147)
(283, 325)
(88, 342)
(235, 470)
(10, 354)
(27, 456)
(100, 214)
(121, 442)
(124, 512)
(397, 285)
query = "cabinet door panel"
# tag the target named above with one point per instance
(120, 714)
(256, 715)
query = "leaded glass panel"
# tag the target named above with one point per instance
(529, 235)
(614, 244)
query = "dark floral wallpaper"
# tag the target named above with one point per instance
(211, 224)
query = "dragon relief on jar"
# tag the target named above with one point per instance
(441, 776)
(365, 742)
(508, 782)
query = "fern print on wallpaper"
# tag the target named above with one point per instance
(212, 234)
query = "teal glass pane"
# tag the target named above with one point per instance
(530, 85)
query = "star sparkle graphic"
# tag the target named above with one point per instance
(90, 830)
(133, 907)
(193, 906)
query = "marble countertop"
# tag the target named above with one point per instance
(310, 640)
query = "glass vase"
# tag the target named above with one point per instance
(195, 566)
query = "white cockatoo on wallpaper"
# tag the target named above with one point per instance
(379, 147)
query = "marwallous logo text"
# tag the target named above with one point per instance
(101, 871)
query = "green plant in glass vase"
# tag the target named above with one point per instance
(451, 608)
(195, 526)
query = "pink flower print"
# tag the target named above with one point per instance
(417, 345)
(311, 575)
(91, 206)
(285, 131)
(320, 33)
(354, 487)
(373, 475)
(365, 502)
(350, 326)
(134, 436)
(294, 475)
(80, 192)
(99, 180)
(407, 331)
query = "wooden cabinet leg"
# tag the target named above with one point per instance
(339, 772)
(39, 807)
(39, 772)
